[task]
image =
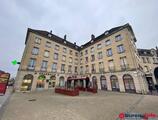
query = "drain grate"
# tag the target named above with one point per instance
(32, 100)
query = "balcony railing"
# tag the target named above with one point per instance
(54, 70)
(111, 68)
(31, 67)
(62, 71)
(101, 70)
(81, 72)
(93, 71)
(43, 69)
(124, 67)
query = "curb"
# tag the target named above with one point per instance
(3, 105)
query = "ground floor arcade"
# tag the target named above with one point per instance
(131, 81)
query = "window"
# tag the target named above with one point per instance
(92, 49)
(144, 60)
(44, 65)
(86, 59)
(108, 42)
(62, 67)
(109, 52)
(93, 68)
(54, 67)
(87, 69)
(76, 61)
(56, 47)
(148, 60)
(37, 40)
(120, 49)
(55, 56)
(32, 63)
(146, 68)
(46, 53)
(124, 64)
(99, 46)
(70, 59)
(63, 58)
(81, 61)
(75, 69)
(154, 60)
(101, 67)
(81, 53)
(118, 37)
(35, 51)
(64, 50)
(70, 52)
(86, 52)
(48, 44)
(100, 55)
(69, 68)
(111, 65)
(76, 54)
(81, 70)
(92, 58)
(123, 60)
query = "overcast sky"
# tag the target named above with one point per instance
(76, 18)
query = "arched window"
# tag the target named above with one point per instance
(94, 82)
(156, 74)
(27, 82)
(114, 83)
(51, 82)
(61, 81)
(103, 82)
(129, 83)
(40, 82)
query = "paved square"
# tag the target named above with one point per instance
(46, 105)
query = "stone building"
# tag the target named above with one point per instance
(149, 62)
(111, 60)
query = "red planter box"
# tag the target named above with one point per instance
(82, 89)
(74, 92)
(3, 87)
(92, 90)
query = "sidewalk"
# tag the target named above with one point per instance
(4, 99)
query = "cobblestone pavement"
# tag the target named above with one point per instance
(47, 105)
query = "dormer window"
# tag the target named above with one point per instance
(91, 41)
(65, 42)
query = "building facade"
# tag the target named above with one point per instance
(111, 60)
(149, 62)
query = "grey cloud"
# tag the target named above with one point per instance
(76, 18)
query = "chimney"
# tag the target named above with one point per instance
(64, 37)
(74, 43)
(51, 31)
(156, 48)
(92, 37)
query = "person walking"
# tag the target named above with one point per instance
(151, 88)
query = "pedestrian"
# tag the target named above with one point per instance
(151, 88)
